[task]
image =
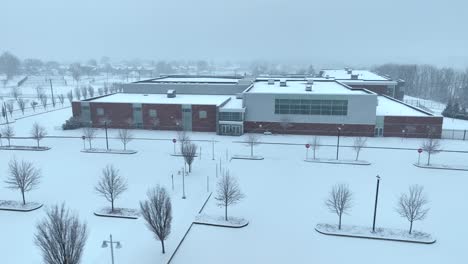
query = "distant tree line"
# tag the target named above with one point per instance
(430, 82)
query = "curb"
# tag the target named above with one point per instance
(337, 162)
(377, 238)
(218, 225)
(438, 168)
(21, 211)
(109, 152)
(115, 216)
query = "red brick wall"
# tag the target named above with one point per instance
(207, 124)
(118, 113)
(379, 89)
(76, 109)
(309, 129)
(414, 127)
(167, 115)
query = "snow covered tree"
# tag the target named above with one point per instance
(10, 107)
(77, 93)
(21, 104)
(358, 144)
(228, 192)
(61, 99)
(8, 133)
(189, 151)
(157, 212)
(33, 105)
(84, 91)
(412, 205)
(90, 91)
(339, 201)
(15, 92)
(61, 236)
(111, 185)
(70, 96)
(43, 100)
(9, 65)
(315, 145)
(22, 176)
(125, 135)
(38, 132)
(89, 133)
(431, 146)
(252, 140)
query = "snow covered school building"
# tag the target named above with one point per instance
(334, 102)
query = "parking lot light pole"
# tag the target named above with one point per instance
(107, 140)
(376, 200)
(111, 242)
(338, 142)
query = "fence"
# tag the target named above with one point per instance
(454, 134)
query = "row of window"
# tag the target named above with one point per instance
(231, 116)
(151, 112)
(311, 107)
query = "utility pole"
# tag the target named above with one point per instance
(52, 92)
(376, 199)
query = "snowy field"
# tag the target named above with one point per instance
(284, 199)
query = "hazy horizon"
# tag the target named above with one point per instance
(362, 32)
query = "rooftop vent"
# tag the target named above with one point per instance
(283, 83)
(327, 76)
(349, 71)
(271, 81)
(308, 88)
(171, 93)
(310, 81)
(354, 76)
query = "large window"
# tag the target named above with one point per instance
(230, 116)
(100, 111)
(153, 113)
(311, 107)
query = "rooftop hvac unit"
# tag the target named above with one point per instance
(271, 81)
(171, 93)
(283, 83)
(308, 88)
(354, 76)
(239, 96)
(310, 81)
(327, 76)
(349, 71)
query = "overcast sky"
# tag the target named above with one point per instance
(358, 32)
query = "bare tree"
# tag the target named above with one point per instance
(10, 107)
(22, 176)
(89, 133)
(358, 144)
(157, 212)
(412, 206)
(183, 138)
(8, 133)
(61, 99)
(252, 140)
(38, 132)
(189, 151)
(61, 236)
(431, 146)
(70, 96)
(125, 135)
(77, 93)
(100, 91)
(90, 91)
(285, 123)
(111, 185)
(21, 104)
(106, 88)
(228, 192)
(43, 100)
(33, 105)
(84, 91)
(339, 201)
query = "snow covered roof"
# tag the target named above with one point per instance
(190, 99)
(393, 107)
(363, 75)
(235, 104)
(299, 87)
(194, 79)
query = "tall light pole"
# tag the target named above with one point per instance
(111, 242)
(376, 199)
(212, 149)
(338, 129)
(183, 181)
(107, 140)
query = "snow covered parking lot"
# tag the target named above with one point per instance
(284, 199)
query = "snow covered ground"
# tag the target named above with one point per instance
(284, 199)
